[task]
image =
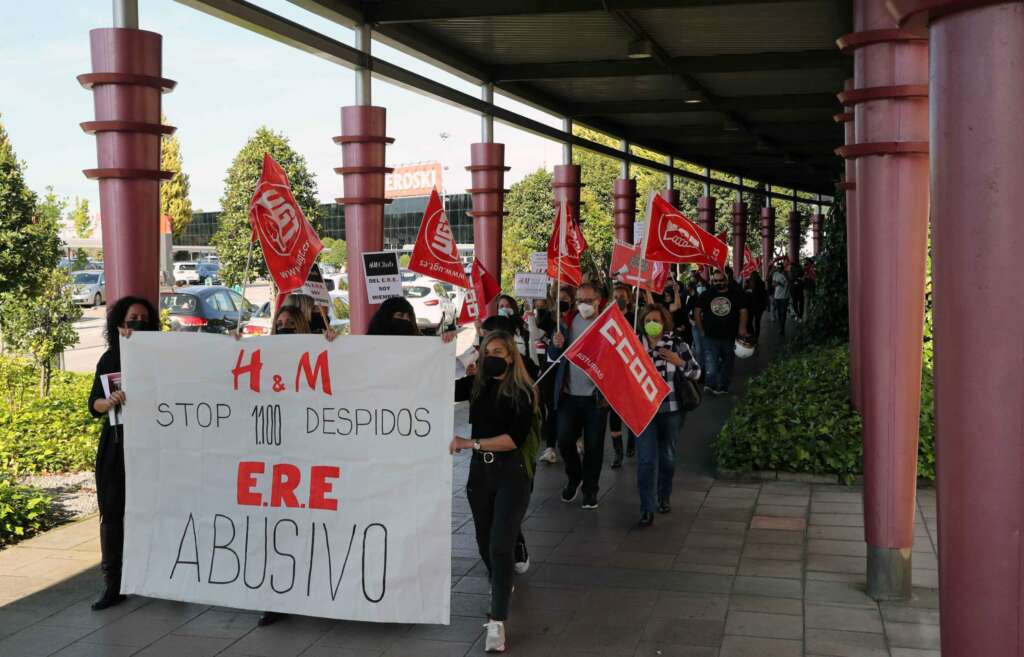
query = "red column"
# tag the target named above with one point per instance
(795, 233)
(891, 129)
(976, 152)
(853, 269)
(566, 187)
(625, 208)
(767, 242)
(739, 236)
(363, 143)
(670, 195)
(706, 213)
(487, 169)
(126, 87)
(816, 222)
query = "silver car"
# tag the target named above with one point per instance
(88, 287)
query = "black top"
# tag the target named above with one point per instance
(492, 414)
(109, 363)
(720, 312)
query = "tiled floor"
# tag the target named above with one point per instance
(736, 570)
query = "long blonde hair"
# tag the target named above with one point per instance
(517, 381)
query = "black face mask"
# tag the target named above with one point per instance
(494, 366)
(316, 324)
(563, 306)
(401, 327)
(621, 303)
(285, 331)
(137, 325)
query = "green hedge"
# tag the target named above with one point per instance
(23, 510)
(796, 417)
(51, 434)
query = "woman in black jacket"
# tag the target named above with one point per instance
(501, 413)
(127, 315)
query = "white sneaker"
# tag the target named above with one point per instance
(579, 446)
(549, 455)
(522, 566)
(495, 640)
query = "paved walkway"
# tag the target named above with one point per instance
(769, 569)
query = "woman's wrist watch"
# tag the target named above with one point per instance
(476, 445)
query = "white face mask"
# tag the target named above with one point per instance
(505, 311)
(586, 310)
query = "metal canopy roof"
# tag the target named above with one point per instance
(743, 87)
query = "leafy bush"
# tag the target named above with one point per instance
(23, 510)
(827, 317)
(45, 434)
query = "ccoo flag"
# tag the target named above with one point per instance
(435, 254)
(610, 354)
(483, 290)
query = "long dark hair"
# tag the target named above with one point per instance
(117, 313)
(381, 322)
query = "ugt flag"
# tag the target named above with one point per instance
(565, 247)
(611, 355)
(750, 265)
(435, 254)
(626, 267)
(671, 237)
(290, 245)
(482, 291)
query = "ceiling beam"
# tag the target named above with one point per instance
(669, 105)
(766, 61)
(411, 11)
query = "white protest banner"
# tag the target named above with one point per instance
(290, 474)
(638, 231)
(530, 286)
(539, 262)
(382, 279)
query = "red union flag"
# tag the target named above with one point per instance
(290, 245)
(482, 291)
(626, 264)
(671, 237)
(750, 265)
(435, 253)
(565, 247)
(610, 354)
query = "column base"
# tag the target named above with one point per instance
(889, 573)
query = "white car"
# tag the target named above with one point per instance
(186, 273)
(337, 313)
(433, 307)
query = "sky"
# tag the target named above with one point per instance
(230, 82)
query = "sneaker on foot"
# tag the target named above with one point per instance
(571, 490)
(590, 502)
(617, 461)
(721, 391)
(579, 446)
(549, 455)
(495, 639)
(522, 558)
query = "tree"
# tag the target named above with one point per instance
(174, 201)
(528, 224)
(17, 221)
(80, 218)
(234, 233)
(41, 324)
(335, 252)
(43, 239)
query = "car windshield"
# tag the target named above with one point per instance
(416, 292)
(187, 265)
(179, 304)
(86, 278)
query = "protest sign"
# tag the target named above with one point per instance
(112, 383)
(314, 287)
(538, 262)
(290, 474)
(382, 280)
(530, 286)
(638, 231)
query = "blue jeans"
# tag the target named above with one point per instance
(657, 446)
(576, 414)
(718, 360)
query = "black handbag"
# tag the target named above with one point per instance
(688, 392)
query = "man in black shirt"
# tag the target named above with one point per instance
(721, 316)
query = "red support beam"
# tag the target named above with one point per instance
(891, 130)
(816, 222)
(849, 188)
(363, 144)
(487, 170)
(975, 50)
(624, 193)
(127, 86)
(767, 242)
(739, 236)
(670, 195)
(795, 233)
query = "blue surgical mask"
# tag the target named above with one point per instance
(701, 289)
(505, 311)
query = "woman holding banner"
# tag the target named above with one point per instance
(127, 315)
(502, 407)
(656, 446)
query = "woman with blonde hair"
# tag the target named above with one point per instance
(502, 406)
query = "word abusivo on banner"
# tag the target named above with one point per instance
(629, 268)
(435, 253)
(611, 355)
(671, 237)
(482, 291)
(290, 245)
(565, 248)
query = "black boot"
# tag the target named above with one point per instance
(631, 445)
(617, 446)
(111, 548)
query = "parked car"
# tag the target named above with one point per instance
(208, 272)
(335, 281)
(186, 273)
(88, 287)
(408, 276)
(455, 293)
(206, 309)
(259, 324)
(433, 307)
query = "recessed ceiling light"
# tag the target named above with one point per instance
(693, 101)
(639, 49)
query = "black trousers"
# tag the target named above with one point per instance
(498, 494)
(798, 302)
(110, 496)
(755, 323)
(575, 415)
